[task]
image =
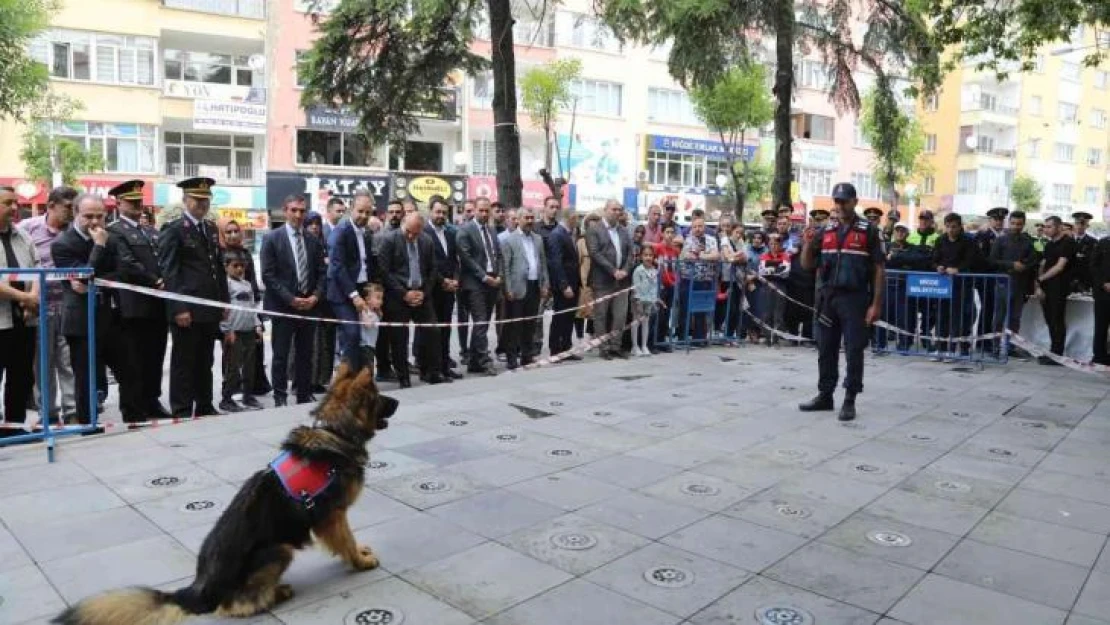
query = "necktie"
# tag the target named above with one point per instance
(414, 266)
(302, 262)
(489, 246)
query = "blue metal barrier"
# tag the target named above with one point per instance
(695, 300)
(952, 318)
(46, 400)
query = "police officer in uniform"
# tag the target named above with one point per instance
(984, 240)
(850, 278)
(1084, 248)
(874, 215)
(142, 317)
(191, 263)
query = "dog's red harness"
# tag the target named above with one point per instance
(303, 480)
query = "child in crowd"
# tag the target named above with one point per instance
(242, 332)
(645, 296)
(371, 317)
(774, 265)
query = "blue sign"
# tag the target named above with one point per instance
(929, 285)
(700, 147)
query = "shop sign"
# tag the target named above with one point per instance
(222, 196)
(33, 192)
(209, 91)
(246, 218)
(533, 193)
(819, 157)
(230, 117)
(330, 119)
(421, 187)
(318, 189)
(700, 147)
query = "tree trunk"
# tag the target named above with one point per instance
(783, 90)
(505, 135)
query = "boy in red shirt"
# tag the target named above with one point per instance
(774, 265)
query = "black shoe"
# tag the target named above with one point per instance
(404, 381)
(319, 388)
(280, 402)
(207, 411)
(157, 411)
(572, 357)
(511, 363)
(623, 355)
(847, 410)
(820, 403)
(1045, 360)
(452, 375)
(229, 405)
(387, 376)
(251, 403)
(434, 378)
(306, 399)
(606, 355)
(451, 364)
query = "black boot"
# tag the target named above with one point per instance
(822, 402)
(848, 409)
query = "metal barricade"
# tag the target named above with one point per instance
(952, 318)
(695, 302)
(47, 431)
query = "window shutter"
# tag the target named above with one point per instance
(105, 63)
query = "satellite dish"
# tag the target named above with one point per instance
(257, 62)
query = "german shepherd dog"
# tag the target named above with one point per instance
(244, 556)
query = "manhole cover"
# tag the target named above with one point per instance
(953, 487)
(786, 388)
(574, 541)
(694, 374)
(851, 425)
(602, 413)
(791, 454)
(375, 616)
(660, 424)
(793, 512)
(198, 506)
(783, 615)
(1001, 452)
(177, 445)
(165, 481)
(560, 453)
(703, 490)
(1033, 425)
(431, 486)
(555, 403)
(1058, 405)
(959, 414)
(938, 389)
(678, 395)
(922, 438)
(507, 438)
(669, 576)
(889, 539)
(458, 422)
(869, 468)
(377, 464)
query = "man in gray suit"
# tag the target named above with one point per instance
(479, 282)
(526, 284)
(610, 250)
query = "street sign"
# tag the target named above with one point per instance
(929, 285)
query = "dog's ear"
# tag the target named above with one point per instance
(389, 406)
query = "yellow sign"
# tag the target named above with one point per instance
(247, 219)
(423, 188)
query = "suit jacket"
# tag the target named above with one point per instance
(447, 260)
(394, 258)
(137, 250)
(603, 257)
(279, 270)
(71, 250)
(1100, 269)
(562, 260)
(472, 255)
(345, 262)
(192, 264)
(515, 264)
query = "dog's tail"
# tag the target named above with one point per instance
(130, 606)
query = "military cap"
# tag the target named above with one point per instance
(1082, 215)
(873, 211)
(200, 187)
(819, 213)
(998, 213)
(770, 212)
(131, 190)
(902, 227)
(925, 214)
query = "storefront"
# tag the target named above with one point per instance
(421, 187)
(685, 170)
(245, 205)
(534, 191)
(32, 194)
(318, 189)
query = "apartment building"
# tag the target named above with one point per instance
(1049, 124)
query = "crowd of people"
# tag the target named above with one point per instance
(450, 270)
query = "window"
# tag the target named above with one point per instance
(322, 7)
(219, 69)
(584, 31)
(340, 149)
(671, 106)
(932, 103)
(1067, 112)
(815, 181)
(1033, 148)
(103, 58)
(714, 168)
(931, 143)
(1094, 156)
(1102, 39)
(861, 138)
(484, 158)
(1101, 79)
(597, 97)
(812, 75)
(985, 180)
(1035, 105)
(125, 148)
(1064, 152)
(814, 128)
(1069, 70)
(965, 181)
(1090, 195)
(297, 58)
(930, 185)
(674, 169)
(1098, 118)
(418, 156)
(224, 157)
(482, 90)
(866, 186)
(1061, 193)
(528, 29)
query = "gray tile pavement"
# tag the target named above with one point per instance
(693, 493)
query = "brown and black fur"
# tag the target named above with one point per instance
(242, 560)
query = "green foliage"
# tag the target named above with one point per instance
(737, 102)
(22, 79)
(896, 138)
(1026, 193)
(758, 179)
(545, 90)
(72, 159)
(385, 59)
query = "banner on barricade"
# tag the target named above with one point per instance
(929, 285)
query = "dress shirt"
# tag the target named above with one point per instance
(530, 256)
(441, 236)
(293, 233)
(361, 239)
(487, 243)
(615, 237)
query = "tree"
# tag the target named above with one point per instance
(897, 140)
(43, 153)
(22, 79)
(1026, 192)
(730, 107)
(758, 190)
(386, 60)
(544, 91)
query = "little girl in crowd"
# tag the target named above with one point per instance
(370, 318)
(645, 296)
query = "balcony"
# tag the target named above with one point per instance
(222, 174)
(250, 9)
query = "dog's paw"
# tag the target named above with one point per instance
(283, 593)
(366, 559)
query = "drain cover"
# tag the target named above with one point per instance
(1001, 452)
(602, 413)
(377, 464)
(458, 422)
(787, 388)
(198, 506)
(703, 490)
(375, 616)
(631, 378)
(669, 576)
(726, 359)
(869, 468)
(791, 454)
(953, 487)
(177, 445)
(889, 539)
(431, 486)
(574, 541)
(678, 395)
(959, 414)
(1034, 425)
(793, 512)
(507, 438)
(783, 615)
(922, 438)
(694, 374)
(555, 403)
(165, 481)
(560, 453)
(660, 424)
(852, 425)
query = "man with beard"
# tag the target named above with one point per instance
(447, 267)
(1084, 248)
(395, 210)
(350, 269)
(480, 281)
(1012, 253)
(566, 282)
(526, 285)
(1052, 284)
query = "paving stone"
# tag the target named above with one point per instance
(938, 600)
(890, 540)
(789, 512)
(567, 490)
(392, 599)
(847, 576)
(1087, 489)
(866, 469)
(647, 516)
(573, 543)
(317, 574)
(983, 469)
(1076, 513)
(69, 535)
(1002, 451)
(627, 471)
(27, 595)
(486, 579)
(502, 469)
(373, 508)
(12, 554)
(962, 489)
(427, 489)
(929, 512)
(142, 562)
(1079, 619)
(562, 454)
(186, 509)
(1082, 467)
(387, 464)
(404, 435)
(582, 603)
(445, 451)
(672, 580)
(1038, 538)
(898, 452)
(416, 540)
(1095, 598)
(736, 542)
(58, 502)
(164, 482)
(41, 477)
(698, 490)
(1103, 563)
(1047, 582)
(237, 468)
(751, 473)
(786, 603)
(833, 489)
(496, 513)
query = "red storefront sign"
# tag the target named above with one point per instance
(30, 192)
(534, 190)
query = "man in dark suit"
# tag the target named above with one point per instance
(409, 275)
(479, 281)
(442, 235)
(1100, 289)
(566, 282)
(350, 269)
(295, 276)
(610, 250)
(86, 244)
(142, 317)
(192, 264)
